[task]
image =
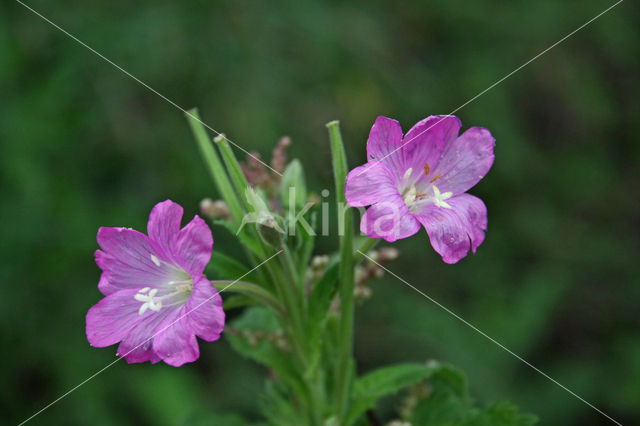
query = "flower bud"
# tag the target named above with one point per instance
(214, 209)
(271, 232)
(293, 191)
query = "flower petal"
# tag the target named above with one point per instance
(163, 226)
(385, 142)
(193, 247)
(474, 214)
(447, 232)
(175, 342)
(424, 143)
(465, 161)
(389, 219)
(137, 346)
(128, 260)
(453, 231)
(369, 184)
(204, 310)
(109, 321)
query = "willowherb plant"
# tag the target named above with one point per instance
(297, 309)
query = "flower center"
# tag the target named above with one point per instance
(411, 194)
(172, 293)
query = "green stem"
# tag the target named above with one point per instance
(287, 285)
(294, 279)
(345, 275)
(250, 290)
(237, 177)
(216, 169)
(369, 244)
(220, 178)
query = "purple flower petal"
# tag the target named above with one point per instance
(385, 142)
(163, 226)
(453, 231)
(137, 345)
(204, 308)
(473, 212)
(465, 161)
(127, 260)
(193, 247)
(425, 142)
(389, 219)
(369, 184)
(112, 318)
(447, 232)
(175, 342)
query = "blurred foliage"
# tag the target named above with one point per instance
(84, 146)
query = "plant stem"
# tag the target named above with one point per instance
(345, 275)
(250, 290)
(294, 278)
(216, 169)
(218, 174)
(364, 248)
(237, 176)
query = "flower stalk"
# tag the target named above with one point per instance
(215, 166)
(345, 275)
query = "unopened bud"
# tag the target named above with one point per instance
(361, 293)
(319, 262)
(271, 232)
(279, 158)
(388, 253)
(293, 191)
(214, 209)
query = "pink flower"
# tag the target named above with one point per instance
(157, 300)
(422, 179)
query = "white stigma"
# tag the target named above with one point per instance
(155, 260)
(409, 196)
(438, 198)
(150, 301)
(407, 174)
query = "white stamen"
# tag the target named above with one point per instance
(407, 174)
(155, 260)
(144, 290)
(438, 198)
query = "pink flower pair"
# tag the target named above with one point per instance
(157, 299)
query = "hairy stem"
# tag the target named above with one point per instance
(345, 276)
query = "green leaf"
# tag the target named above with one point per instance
(248, 241)
(445, 405)
(227, 268)
(257, 318)
(262, 319)
(503, 414)
(386, 381)
(277, 407)
(238, 301)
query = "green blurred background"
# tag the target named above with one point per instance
(557, 279)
